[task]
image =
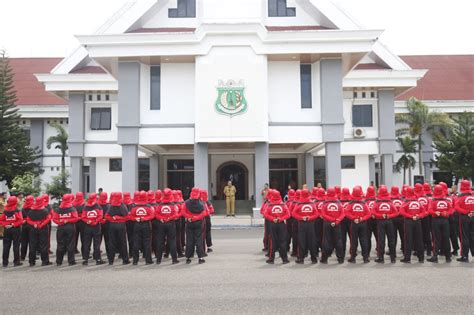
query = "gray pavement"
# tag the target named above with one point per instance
(236, 279)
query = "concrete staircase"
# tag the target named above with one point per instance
(242, 207)
(239, 221)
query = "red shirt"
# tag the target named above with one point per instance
(332, 211)
(384, 207)
(65, 218)
(277, 211)
(465, 204)
(440, 205)
(193, 216)
(92, 217)
(303, 210)
(412, 208)
(142, 212)
(14, 218)
(167, 212)
(397, 203)
(358, 210)
(40, 224)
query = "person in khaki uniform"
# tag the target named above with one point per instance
(229, 192)
(2, 208)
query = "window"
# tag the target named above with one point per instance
(305, 76)
(107, 97)
(354, 95)
(101, 118)
(144, 174)
(181, 175)
(363, 94)
(185, 9)
(372, 94)
(362, 116)
(348, 162)
(155, 88)
(89, 97)
(115, 165)
(283, 173)
(99, 97)
(320, 170)
(279, 8)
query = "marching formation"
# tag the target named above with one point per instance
(158, 222)
(427, 222)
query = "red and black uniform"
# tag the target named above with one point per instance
(358, 214)
(345, 198)
(266, 224)
(194, 211)
(412, 212)
(180, 223)
(398, 221)
(292, 236)
(318, 224)
(92, 216)
(127, 201)
(207, 223)
(465, 208)
(426, 221)
(38, 219)
(372, 222)
(142, 214)
(79, 204)
(440, 210)
(25, 229)
(66, 217)
(50, 209)
(12, 220)
(166, 214)
(384, 211)
(103, 203)
(332, 213)
(276, 212)
(306, 213)
(116, 217)
(453, 219)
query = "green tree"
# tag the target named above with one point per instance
(16, 156)
(406, 161)
(420, 120)
(57, 188)
(28, 184)
(456, 150)
(61, 139)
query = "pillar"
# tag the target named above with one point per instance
(92, 175)
(387, 139)
(129, 122)
(201, 165)
(309, 170)
(37, 137)
(371, 169)
(76, 140)
(262, 169)
(154, 173)
(77, 182)
(333, 164)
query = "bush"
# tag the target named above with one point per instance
(59, 186)
(28, 184)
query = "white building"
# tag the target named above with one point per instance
(194, 92)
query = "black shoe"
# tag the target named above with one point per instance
(351, 260)
(448, 259)
(421, 260)
(158, 261)
(314, 261)
(175, 262)
(85, 263)
(149, 263)
(32, 264)
(99, 262)
(126, 262)
(270, 261)
(299, 261)
(72, 263)
(201, 261)
(76, 252)
(209, 250)
(340, 261)
(111, 263)
(405, 261)
(59, 263)
(5, 266)
(48, 263)
(180, 255)
(393, 260)
(293, 255)
(463, 259)
(166, 256)
(379, 261)
(264, 249)
(205, 255)
(454, 253)
(433, 259)
(428, 253)
(286, 261)
(366, 260)
(188, 261)
(17, 264)
(135, 263)
(324, 260)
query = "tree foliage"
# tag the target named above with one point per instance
(456, 150)
(406, 161)
(28, 184)
(56, 189)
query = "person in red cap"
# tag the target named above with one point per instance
(453, 219)
(276, 212)
(318, 224)
(294, 224)
(166, 214)
(128, 202)
(333, 214)
(384, 211)
(92, 216)
(465, 208)
(398, 201)
(194, 212)
(426, 221)
(291, 240)
(116, 217)
(141, 214)
(25, 229)
(65, 217)
(266, 224)
(412, 212)
(50, 209)
(11, 219)
(371, 223)
(440, 210)
(38, 219)
(306, 213)
(345, 198)
(104, 204)
(180, 223)
(358, 214)
(79, 204)
(208, 223)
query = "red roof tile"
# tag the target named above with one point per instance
(28, 90)
(89, 69)
(450, 78)
(370, 66)
(297, 28)
(164, 30)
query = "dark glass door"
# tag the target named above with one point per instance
(237, 175)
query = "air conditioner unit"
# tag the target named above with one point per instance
(359, 133)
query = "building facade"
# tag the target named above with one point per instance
(196, 92)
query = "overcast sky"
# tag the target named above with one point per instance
(45, 28)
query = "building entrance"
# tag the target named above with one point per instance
(238, 174)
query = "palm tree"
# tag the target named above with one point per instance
(406, 161)
(419, 121)
(61, 139)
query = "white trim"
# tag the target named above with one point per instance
(383, 78)
(43, 111)
(78, 82)
(441, 106)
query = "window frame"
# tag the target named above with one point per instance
(190, 8)
(155, 88)
(362, 125)
(352, 157)
(100, 111)
(304, 82)
(279, 9)
(111, 170)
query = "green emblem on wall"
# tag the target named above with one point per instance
(230, 98)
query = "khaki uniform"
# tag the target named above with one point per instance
(2, 208)
(229, 192)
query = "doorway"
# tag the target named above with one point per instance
(238, 174)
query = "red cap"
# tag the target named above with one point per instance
(116, 199)
(395, 193)
(419, 192)
(298, 195)
(168, 196)
(291, 195)
(203, 195)
(410, 193)
(275, 197)
(151, 196)
(29, 201)
(438, 192)
(11, 203)
(45, 199)
(136, 196)
(67, 201)
(305, 196)
(314, 192)
(370, 192)
(383, 193)
(142, 198)
(180, 195)
(331, 194)
(38, 203)
(465, 187)
(79, 200)
(103, 198)
(92, 200)
(427, 189)
(321, 194)
(345, 194)
(195, 193)
(357, 193)
(127, 200)
(158, 196)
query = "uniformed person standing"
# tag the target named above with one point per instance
(66, 218)
(141, 214)
(2, 206)
(229, 192)
(306, 213)
(194, 211)
(465, 208)
(11, 220)
(25, 229)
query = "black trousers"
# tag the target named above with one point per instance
(130, 225)
(24, 240)
(413, 236)
(11, 237)
(371, 230)
(117, 236)
(427, 237)
(398, 225)
(454, 230)
(441, 236)
(179, 235)
(385, 228)
(266, 234)
(318, 230)
(105, 235)
(182, 236)
(142, 240)
(208, 231)
(306, 240)
(345, 232)
(38, 240)
(358, 234)
(194, 239)
(66, 239)
(92, 234)
(80, 226)
(466, 234)
(278, 237)
(166, 232)
(332, 239)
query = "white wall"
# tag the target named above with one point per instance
(101, 135)
(109, 181)
(217, 160)
(359, 175)
(301, 18)
(349, 101)
(160, 16)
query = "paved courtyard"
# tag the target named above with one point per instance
(236, 279)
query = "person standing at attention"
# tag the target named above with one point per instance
(229, 192)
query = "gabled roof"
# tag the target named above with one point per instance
(28, 90)
(450, 78)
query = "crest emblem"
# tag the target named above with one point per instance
(230, 98)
